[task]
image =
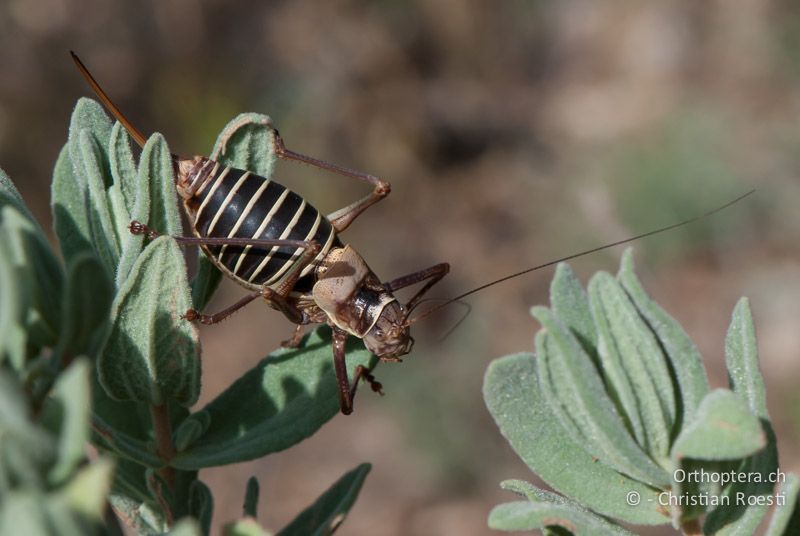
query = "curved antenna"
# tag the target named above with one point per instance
(110, 106)
(581, 254)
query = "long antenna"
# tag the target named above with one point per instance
(132, 130)
(582, 253)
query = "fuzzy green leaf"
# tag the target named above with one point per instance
(151, 353)
(101, 222)
(88, 116)
(722, 429)
(69, 415)
(570, 304)
(156, 202)
(248, 142)
(9, 195)
(189, 431)
(251, 498)
(634, 364)
(70, 209)
(144, 518)
(39, 273)
(27, 449)
(512, 395)
(684, 358)
(786, 517)
(245, 527)
(205, 282)
(123, 427)
(281, 401)
(156, 162)
(576, 393)
(85, 308)
(86, 493)
(25, 513)
(14, 306)
(741, 360)
(123, 167)
(186, 527)
(201, 505)
(330, 509)
(523, 515)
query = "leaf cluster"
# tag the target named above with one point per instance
(94, 347)
(614, 410)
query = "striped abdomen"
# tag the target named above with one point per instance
(233, 203)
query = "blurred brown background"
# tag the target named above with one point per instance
(513, 132)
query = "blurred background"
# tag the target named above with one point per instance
(513, 133)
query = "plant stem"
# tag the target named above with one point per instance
(164, 445)
(691, 528)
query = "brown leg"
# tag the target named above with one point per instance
(346, 391)
(295, 339)
(192, 315)
(435, 273)
(342, 218)
(310, 253)
(275, 300)
(140, 228)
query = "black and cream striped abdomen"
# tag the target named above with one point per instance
(232, 203)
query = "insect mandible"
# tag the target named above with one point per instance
(274, 243)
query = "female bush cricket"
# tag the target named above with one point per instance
(273, 242)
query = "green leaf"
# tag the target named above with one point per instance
(85, 307)
(786, 517)
(24, 513)
(741, 360)
(512, 395)
(330, 509)
(88, 116)
(685, 360)
(190, 430)
(575, 392)
(722, 429)
(43, 277)
(278, 403)
(101, 223)
(9, 195)
(27, 449)
(251, 498)
(156, 162)
(129, 480)
(205, 282)
(124, 427)
(144, 518)
(571, 305)
(68, 412)
(156, 202)
(523, 515)
(87, 492)
(186, 527)
(201, 505)
(250, 144)
(70, 209)
(634, 364)
(14, 305)
(245, 527)
(151, 353)
(123, 167)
